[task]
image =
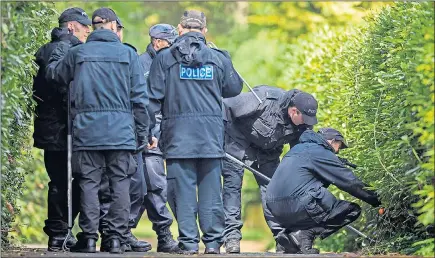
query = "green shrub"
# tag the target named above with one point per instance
(24, 27)
(375, 84)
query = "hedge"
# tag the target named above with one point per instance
(375, 83)
(23, 31)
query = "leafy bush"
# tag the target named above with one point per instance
(375, 84)
(23, 31)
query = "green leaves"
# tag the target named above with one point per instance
(19, 43)
(381, 78)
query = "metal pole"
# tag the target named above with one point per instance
(69, 169)
(257, 173)
(247, 84)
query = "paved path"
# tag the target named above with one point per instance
(29, 252)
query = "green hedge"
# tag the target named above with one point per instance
(24, 27)
(375, 84)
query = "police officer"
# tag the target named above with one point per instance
(111, 122)
(50, 127)
(256, 133)
(154, 200)
(137, 189)
(298, 198)
(187, 83)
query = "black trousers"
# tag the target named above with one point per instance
(138, 190)
(90, 165)
(155, 199)
(56, 223)
(341, 214)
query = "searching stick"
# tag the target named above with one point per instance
(257, 173)
(247, 84)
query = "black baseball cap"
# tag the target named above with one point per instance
(164, 31)
(75, 14)
(119, 23)
(106, 14)
(307, 105)
(332, 134)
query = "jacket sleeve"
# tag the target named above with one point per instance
(61, 65)
(328, 167)
(156, 88)
(232, 83)
(241, 106)
(139, 100)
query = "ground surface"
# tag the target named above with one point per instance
(32, 252)
(248, 248)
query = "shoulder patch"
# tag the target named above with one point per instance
(204, 72)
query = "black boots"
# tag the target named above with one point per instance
(136, 245)
(113, 246)
(232, 246)
(55, 243)
(304, 240)
(300, 241)
(85, 246)
(167, 244)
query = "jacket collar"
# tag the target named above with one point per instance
(151, 51)
(309, 136)
(103, 35)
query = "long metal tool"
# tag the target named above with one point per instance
(257, 173)
(69, 177)
(211, 44)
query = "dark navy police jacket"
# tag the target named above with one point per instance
(110, 92)
(187, 82)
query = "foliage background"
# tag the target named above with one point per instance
(369, 64)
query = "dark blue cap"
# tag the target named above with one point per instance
(106, 15)
(75, 14)
(164, 31)
(119, 23)
(307, 105)
(332, 134)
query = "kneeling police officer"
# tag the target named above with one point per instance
(298, 198)
(256, 133)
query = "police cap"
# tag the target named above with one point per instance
(332, 134)
(307, 105)
(74, 14)
(164, 31)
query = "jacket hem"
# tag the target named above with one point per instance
(105, 147)
(196, 156)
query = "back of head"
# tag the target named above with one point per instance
(104, 18)
(163, 31)
(193, 20)
(332, 134)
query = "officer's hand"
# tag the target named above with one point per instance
(154, 143)
(141, 144)
(376, 204)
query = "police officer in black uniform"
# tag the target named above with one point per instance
(111, 122)
(298, 198)
(187, 83)
(50, 127)
(138, 189)
(256, 133)
(155, 198)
